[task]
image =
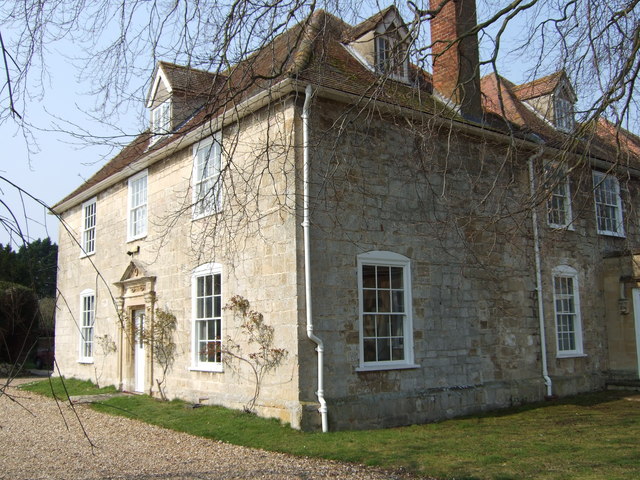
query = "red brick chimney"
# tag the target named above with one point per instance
(456, 72)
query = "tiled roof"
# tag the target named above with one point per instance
(313, 52)
(499, 98)
(607, 141)
(126, 157)
(625, 144)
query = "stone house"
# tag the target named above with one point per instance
(424, 245)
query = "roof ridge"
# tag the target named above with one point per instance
(314, 24)
(185, 67)
(368, 23)
(535, 87)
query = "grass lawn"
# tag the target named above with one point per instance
(592, 436)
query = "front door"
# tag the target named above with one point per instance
(138, 350)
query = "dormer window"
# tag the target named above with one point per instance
(381, 43)
(390, 59)
(563, 114)
(161, 118)
(383, 55)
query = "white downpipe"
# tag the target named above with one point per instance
(307, 259)
(536, 248)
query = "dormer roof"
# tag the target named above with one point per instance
(181, 79)
(545, 86)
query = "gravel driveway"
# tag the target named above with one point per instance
(39, 439)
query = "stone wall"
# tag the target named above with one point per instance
(458, 207)
(254, 239)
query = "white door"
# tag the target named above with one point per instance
(138, 350)
(636, 317)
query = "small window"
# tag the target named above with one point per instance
(564, 114)
(89, 227)
(559, 198)
(137, 218)
(206, 177)
(390, 59)
(567, 311)
(161, 119)
(384, 287)
(87, 321)
(207, 317)
(606, 191)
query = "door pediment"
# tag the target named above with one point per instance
(135, 282)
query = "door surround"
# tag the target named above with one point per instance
(136, 292)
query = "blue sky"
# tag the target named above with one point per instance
(57, 163)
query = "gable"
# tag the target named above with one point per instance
(160, 90)
(565, 90)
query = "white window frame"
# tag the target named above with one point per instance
(161, 119)
(137, 206)
(556, 178)
(89, 217)
(564, 116)
(608, 204)
(87, 325)
(386, 61)
(207, 178)
(203, 271)
(386, 259)
(566, 307)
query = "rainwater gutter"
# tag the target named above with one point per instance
(307, 259)
(536, 247)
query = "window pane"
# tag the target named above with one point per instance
(382, 324)
(384, 301)
(397, 349)
(200, 286)
(396, 277)
(397, 322)
(369, 276)
(217, 285)
(397, 301)
(384, 349)
(200, 308)
(202, 329)
(369, 347)
(217, 309)
(369, 299)
(208, 307)
(202, 352)
(369, 326)
(208, 285)
(383, 276)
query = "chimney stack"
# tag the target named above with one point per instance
(456, 66)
